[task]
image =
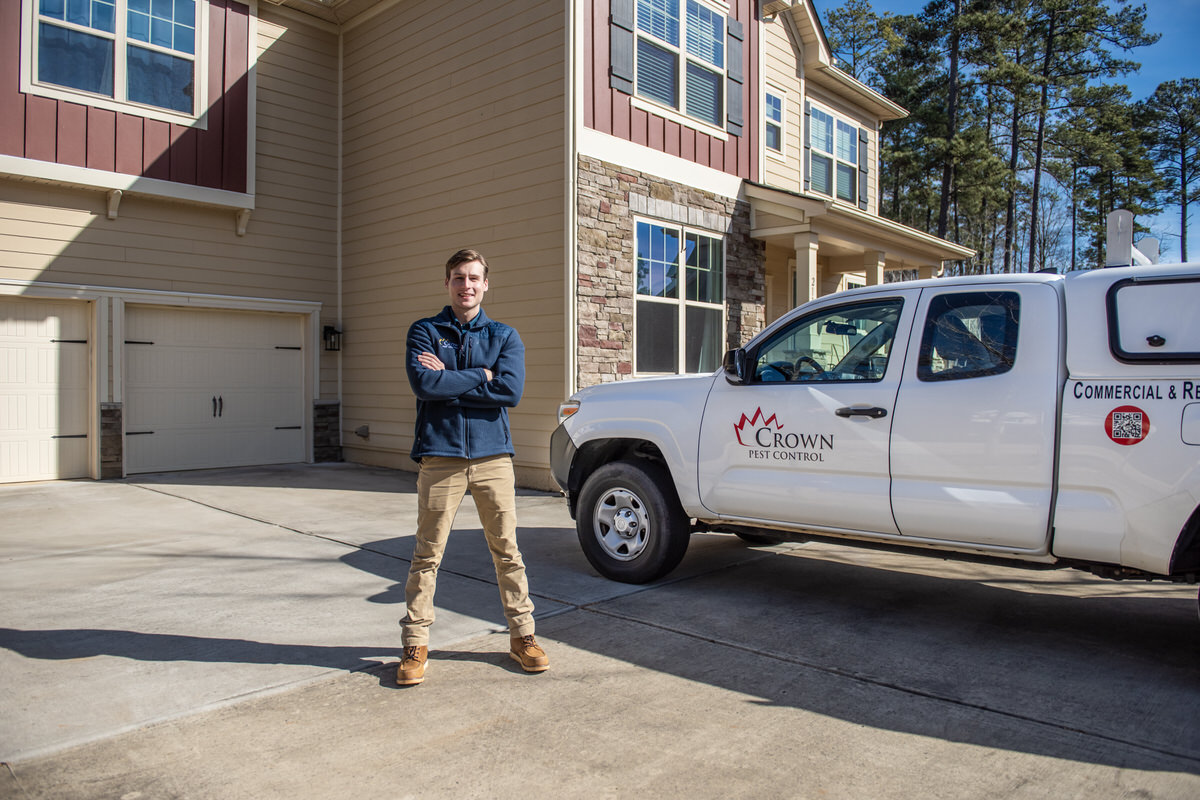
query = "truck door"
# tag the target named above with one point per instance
(973, 434)
(804, 441)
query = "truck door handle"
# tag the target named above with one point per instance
(874, 412)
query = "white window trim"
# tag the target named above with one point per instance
(680, 302)
(781, 153)
(854, 126)
(653, 106)
(197, 119)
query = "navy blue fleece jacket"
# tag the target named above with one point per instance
(460, 412)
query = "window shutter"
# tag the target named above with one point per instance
(862, 168)
(807, 166)
(734, 77)
(620, 46)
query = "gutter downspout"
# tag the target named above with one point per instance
(338, 233)
(573, 29)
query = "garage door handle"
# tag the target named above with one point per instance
(874, 412)
(221, 406)
(214, 405)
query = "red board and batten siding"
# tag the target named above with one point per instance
(609, 111)
(78, 135)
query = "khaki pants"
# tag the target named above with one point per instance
(441, 484)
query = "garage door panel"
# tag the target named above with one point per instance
(44, 389)
(213, 387)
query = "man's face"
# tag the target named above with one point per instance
(466, 285)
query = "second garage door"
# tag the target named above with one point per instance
(212, 389)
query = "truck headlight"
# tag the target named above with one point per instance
(567, 409)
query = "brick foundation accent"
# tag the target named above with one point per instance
(112, 442)
(327, 421)
(608, 197)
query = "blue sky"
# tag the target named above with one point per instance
(1172, 58)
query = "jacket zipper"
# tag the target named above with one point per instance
(466, 362)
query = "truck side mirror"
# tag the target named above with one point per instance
(735, 366)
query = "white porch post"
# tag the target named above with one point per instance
(806, 267)
(873, 267)
(928, 272)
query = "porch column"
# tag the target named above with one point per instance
(806, 267)
(873, 267)
(928, 272)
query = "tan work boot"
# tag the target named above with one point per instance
(412, 667)
(529, 654)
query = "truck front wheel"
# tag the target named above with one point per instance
(630, 524)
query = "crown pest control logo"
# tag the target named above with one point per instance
(764, 438)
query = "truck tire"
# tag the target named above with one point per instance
(630, 524)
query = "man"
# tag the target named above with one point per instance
(466, 371)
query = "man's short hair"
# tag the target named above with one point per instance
(464, 256)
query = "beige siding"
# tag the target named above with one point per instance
(780, 67)
(454, 137)
(63, 235)
(296, 190)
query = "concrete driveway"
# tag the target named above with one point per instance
(233, 633)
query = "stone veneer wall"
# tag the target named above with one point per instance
(327, 423)
(608, 197)
(112, 450)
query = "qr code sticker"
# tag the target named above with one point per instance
(1127, 425)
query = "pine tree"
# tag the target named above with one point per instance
(1171, 120)
(1074, 37)
(858, 37)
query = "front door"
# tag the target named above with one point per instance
(805, 441)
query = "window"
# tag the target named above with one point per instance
(835, 157)
(131, 51)
(969, 335)
(681, 57)
(1154, 321)
(848, 343)
(773, 123)
(680, 299)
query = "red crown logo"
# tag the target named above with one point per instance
(759, 419)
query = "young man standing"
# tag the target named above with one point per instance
(466, 371)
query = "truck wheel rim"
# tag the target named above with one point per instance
(621, 524)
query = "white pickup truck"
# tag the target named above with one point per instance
(1039, 420)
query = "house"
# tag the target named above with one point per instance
(218, 219)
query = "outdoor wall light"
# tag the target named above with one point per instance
(332, 337)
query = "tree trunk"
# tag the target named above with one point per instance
(1010, 211)
(1074, 214)
(1183, 199)
(1039, 144)
(951, 126)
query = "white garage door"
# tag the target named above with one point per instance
(43, 389)
(212, 389)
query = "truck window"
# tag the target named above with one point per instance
(1154, 320)
(969, 335)
(847, 343)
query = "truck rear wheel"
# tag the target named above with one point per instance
(630, 524)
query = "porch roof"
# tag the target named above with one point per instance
(845, 232)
